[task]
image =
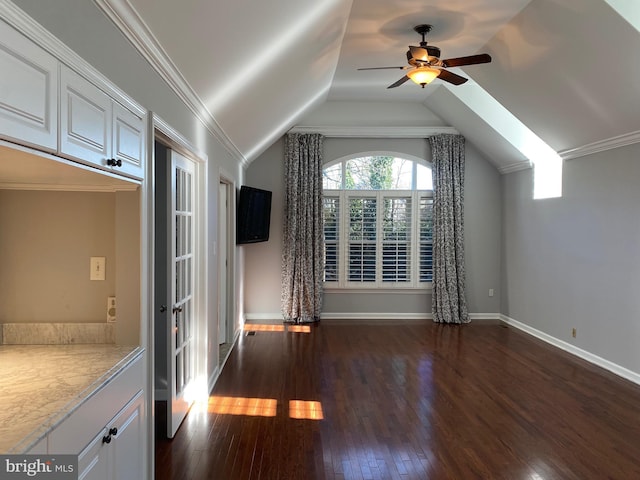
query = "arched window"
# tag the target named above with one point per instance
(378, 222)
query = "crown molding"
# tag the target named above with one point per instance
(582, 151)
(515, 167)
(601, 146)
(26, 25)
(374, 132)
(133, 27)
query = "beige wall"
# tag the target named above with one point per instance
(46, 241)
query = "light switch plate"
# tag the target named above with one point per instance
(97, 268)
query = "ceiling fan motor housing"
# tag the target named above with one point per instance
(432, 53)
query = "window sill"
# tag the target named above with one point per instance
(382, 290)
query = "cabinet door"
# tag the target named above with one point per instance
(127, 447)
(39, 448)
(85, 120)
(93, 461)
(92, 416)
(28, 91)
(129, 141)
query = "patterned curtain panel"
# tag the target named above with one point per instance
(449, 304)
(303, 250)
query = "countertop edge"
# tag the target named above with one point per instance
(37, 435)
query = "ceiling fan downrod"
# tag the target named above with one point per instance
(423, 30)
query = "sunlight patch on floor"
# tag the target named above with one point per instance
(258, 327)
(255, 407)
(259, 407)
(306, 410)
(299, 328)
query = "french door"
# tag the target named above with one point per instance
(182, 327)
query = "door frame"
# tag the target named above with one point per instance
(172, 139)
(230, 238)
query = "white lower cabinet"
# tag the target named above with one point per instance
(114, 454)
(93, 461)
(107, 431)
(126, 456)
(39, 448)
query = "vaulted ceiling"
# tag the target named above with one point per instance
(564, 71)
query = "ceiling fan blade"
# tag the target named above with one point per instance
(470, 60)
(384, 68)
(450, 77)
(399, 82)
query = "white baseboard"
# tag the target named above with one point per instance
(364, 316)
(373, 317)
(572, 349)
(350, 316)
(213, 378)
(485, 316)
(264, 317)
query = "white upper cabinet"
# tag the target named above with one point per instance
(85, 120)
(46, 105)
(129, 140)
(97, 130)
(28, 91)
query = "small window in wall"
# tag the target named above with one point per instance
(547, 178)
(378, 219)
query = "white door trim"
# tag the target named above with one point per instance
(174, 140)
(230, 253)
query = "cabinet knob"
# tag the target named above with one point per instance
(112, 162)
(106, 439)
(113, 431)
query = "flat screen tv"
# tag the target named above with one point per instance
(253, 216)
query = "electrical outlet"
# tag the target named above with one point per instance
(491, 292)
(111, 309)
(574, 332)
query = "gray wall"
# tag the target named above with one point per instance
(482, 242)
(573, 262)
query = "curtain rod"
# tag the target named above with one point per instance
(375, 132)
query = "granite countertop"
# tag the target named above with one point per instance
(41, 385)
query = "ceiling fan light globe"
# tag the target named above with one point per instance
(423, 75)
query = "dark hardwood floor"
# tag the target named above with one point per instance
(412, 401)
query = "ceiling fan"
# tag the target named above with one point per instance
(425, 64)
